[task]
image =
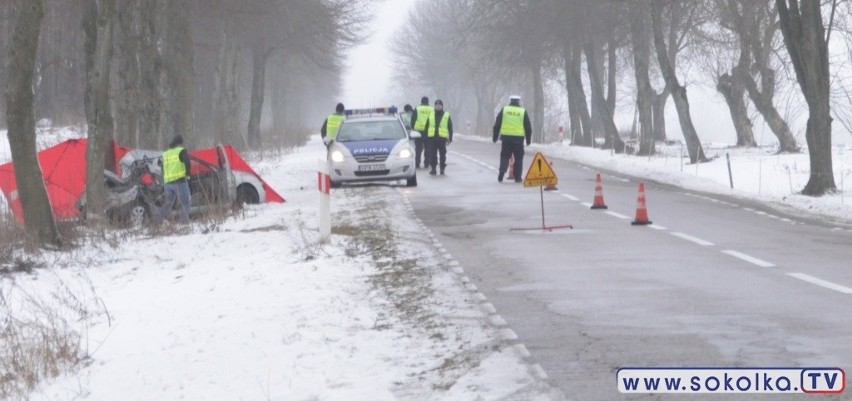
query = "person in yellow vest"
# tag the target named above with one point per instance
(420, 123)
(176, 170)
(440, 135)
(512, 127)
(332, 123)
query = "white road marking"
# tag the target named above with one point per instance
(750, 259)
(575, 199)
(656, 227)
(821, 282)
(586, 204)
(614, 214)
(690, 238)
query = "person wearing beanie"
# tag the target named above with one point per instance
(512, 126)
(176, 168)
(332, 123)
(420, 123)
(407, 113)
(440, 135)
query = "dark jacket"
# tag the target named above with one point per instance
(499, 123)
(438, 116)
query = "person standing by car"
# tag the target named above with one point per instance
(420, 123)
(407, 113)
(176, 169)
(512, 126)
(440, 135)
(332, 123)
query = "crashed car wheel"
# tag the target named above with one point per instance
(138, 215)
(247, 195)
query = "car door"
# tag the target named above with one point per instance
(226, 177)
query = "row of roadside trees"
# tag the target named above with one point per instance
(594, 53)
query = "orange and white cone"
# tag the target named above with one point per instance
(511, 169)
(599, 200)
(550, 187)
(641, 209)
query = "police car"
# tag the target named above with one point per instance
(372, 145)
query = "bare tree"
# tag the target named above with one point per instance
(678, 91)
(21, 120)
(641, 41)
(807, 44)
(99, 155)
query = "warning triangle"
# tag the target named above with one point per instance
(540, 173)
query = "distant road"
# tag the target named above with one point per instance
(713, 282)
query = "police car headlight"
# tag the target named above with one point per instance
(337, 156)
(405, 153)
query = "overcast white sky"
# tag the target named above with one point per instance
(368, 82)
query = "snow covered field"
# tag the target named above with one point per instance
(253, 308)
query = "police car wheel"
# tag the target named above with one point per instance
(411, 182)
(247, 195)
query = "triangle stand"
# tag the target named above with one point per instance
(544, 226)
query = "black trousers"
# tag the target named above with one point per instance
(512, 146)
(418, 149)
(437, 146)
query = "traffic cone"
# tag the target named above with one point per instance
(511, 168)
(550, 187)
(641, 210)
(599, 201)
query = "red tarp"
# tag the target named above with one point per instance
(64, 169)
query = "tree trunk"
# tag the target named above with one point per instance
(804, 37)
(659, 112)
(21, 120)
(693, 143)
(99, 155)
(611, 71)
(763, 102)
(576, 87)
(150, 66)
(127, 76)
(538, 103)
(180, 69)
(731, 88)
(260, 54)
(574, 128)
(644, 92)
(610, 130)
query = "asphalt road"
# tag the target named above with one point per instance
(714, 282)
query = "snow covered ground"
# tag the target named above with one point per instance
(254, 308)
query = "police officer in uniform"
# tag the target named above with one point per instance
(440, 135)
(332, 123)
(407, 113)
(176, 168)
(512, 127)
(420, 123)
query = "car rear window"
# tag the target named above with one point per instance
(370, 131)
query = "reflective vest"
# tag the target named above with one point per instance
(513, 121)
(406, 117)
(173, 168)
(332, 125)
(423, 111)
(443, 126)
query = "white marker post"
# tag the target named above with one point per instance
(324, 187)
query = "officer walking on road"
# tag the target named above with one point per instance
(512, 127)
(440, 135)
(407, 113)
(332, 123)
(420, 123)
(176, 168)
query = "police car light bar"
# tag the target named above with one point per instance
(375, 110)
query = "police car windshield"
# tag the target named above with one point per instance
(370, 131)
